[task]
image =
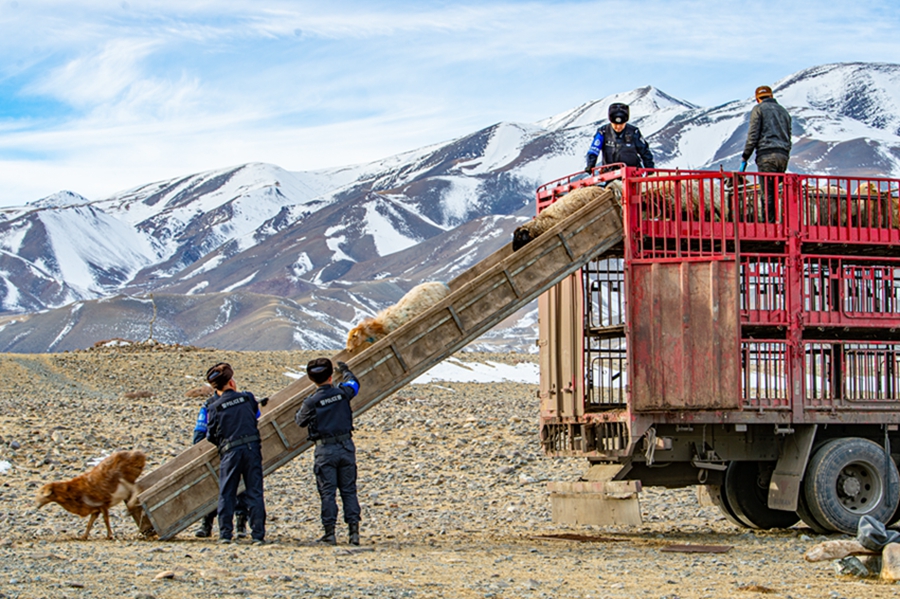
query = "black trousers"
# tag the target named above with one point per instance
(335, 468)
(242, 463)
(240, 507)
(771, 162)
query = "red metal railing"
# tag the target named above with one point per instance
(819, 260)
(763, 289)
(847, 375)
(764, 377)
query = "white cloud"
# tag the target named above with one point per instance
(100, 96)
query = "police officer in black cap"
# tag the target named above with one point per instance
(232, 428)
(619, 142)
(240, 509)
(329, 419)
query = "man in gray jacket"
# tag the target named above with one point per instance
(769, 134)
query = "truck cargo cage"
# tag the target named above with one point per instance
(816, 264)
(764, 379)
(759, 349)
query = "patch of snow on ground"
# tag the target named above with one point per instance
(240, 283)
(4, 466)
(96, 460)
(457, 371)
(198, 288)
(387, 239)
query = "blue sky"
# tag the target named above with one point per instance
(97, 97)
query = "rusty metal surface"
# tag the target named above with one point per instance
(684, 347)
(561, 391)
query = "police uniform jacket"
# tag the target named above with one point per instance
(202, 426)
(327, 411)
(628, 147)
(232, 420)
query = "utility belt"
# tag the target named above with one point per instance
(229, 445)
(333, 440)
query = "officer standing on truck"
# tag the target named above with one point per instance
(769, 134)
(329, 418)
(619, 141)
(232, 428)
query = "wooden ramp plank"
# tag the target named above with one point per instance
(179, 492)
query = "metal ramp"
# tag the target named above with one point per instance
(179, 492)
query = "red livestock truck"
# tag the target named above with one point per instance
(744, 336)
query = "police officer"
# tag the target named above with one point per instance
(619, 142)
(240, 509)
(329, 419)
(232, 428)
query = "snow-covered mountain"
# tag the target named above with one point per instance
(317, 250)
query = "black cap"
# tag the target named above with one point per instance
(219, 375)
(319, 370)
(618, 113)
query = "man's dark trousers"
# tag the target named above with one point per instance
(244, 461)
(335, 468)
(770, 162)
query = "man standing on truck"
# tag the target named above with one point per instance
(769, 134)
(329, 418)
(619, 142)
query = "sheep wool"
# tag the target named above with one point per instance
(557, 212)
(416, 301)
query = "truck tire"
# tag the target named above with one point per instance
(807, 518)
(845, 480)
(747, 492)
(717, 493)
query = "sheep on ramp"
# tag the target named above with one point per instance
(558, 211)
(417, 300)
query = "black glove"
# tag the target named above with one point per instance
(342, 367)
(591, 163)
(264, 401)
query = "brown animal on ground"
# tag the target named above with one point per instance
(558, 211)
(94, 492)
(417, 300)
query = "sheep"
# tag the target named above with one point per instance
(558, 211)
(697, 196)
(826, 205)
(874, 208)
(417, 300)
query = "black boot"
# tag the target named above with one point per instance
(354, 533)
(205, 528)
(328, 538)
(240, 526)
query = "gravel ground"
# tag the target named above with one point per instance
(452, 483)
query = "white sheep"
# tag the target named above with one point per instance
(558, 211)
(417, 300)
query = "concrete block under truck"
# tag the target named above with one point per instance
(744, 336)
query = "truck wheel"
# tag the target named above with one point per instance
(845, 480)
(807, 518)
(718, 496)
(747, 492)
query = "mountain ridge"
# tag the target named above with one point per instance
(330, 240)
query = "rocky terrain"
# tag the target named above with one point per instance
(452, 482)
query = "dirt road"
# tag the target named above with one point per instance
(452, 482)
